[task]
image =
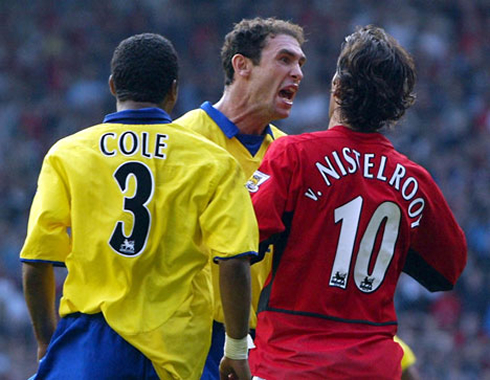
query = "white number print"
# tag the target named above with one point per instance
(349, 215)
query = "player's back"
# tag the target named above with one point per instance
(138, 193)
(341, 189)
(352, 211)
(129, 208)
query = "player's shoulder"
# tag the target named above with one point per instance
(190, 133)
(199, 121)
(297, 141)
(189, 115)
(193, 119)
(198, 145)
(74, 141)
(288, 147)
(413, 168)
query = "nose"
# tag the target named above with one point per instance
(297, 73)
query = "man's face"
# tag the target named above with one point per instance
(275, 81)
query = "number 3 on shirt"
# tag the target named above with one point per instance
(134, 244)
(349, 215)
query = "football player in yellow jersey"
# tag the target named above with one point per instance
(135, 208)
(262, 61)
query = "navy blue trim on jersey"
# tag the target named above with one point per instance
(249, 253)
(416, 267)
(54, 263)
(251, 142)
(152, 115)
(280, 242)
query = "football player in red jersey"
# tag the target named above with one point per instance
(347, 214)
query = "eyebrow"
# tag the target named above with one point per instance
(302, 57)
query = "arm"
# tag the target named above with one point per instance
(39, 292)
(438, 250)
(235, 290)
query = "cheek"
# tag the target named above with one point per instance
(267, 85)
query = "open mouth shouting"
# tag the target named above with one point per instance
(288, 93)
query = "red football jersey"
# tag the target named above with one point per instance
(347, 214)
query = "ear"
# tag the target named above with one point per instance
(174, 91)
(171, 98)
(112, 87)
(241, 65)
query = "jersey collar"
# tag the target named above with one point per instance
(378, 137)
(251, 142)
(151, 115)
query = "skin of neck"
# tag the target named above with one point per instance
(249, 117)
(167, 105)
(334, 114)
(335, 119)
(132, 105)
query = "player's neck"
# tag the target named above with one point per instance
(132, 105)
(243, 113)
(336, 120)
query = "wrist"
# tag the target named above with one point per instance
(236, 349)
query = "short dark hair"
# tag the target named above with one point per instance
(249, 37)
(144, 67)
(374, 80)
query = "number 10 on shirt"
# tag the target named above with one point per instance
(349, 215)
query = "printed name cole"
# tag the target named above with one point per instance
(130, 143)
(352, 161)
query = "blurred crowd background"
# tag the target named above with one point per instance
(54, 66)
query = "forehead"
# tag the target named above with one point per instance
(281, 42)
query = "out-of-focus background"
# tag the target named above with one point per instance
(54, 66)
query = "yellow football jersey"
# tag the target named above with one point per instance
(249, 150)
(408, 358)
(128, 206)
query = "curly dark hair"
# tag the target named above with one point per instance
(374, 81)
(249, 37)
(144, 67)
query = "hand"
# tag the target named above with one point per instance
(230, 369)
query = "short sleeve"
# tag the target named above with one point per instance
(228, 222)
(49, 219)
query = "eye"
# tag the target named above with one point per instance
(285, 59)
